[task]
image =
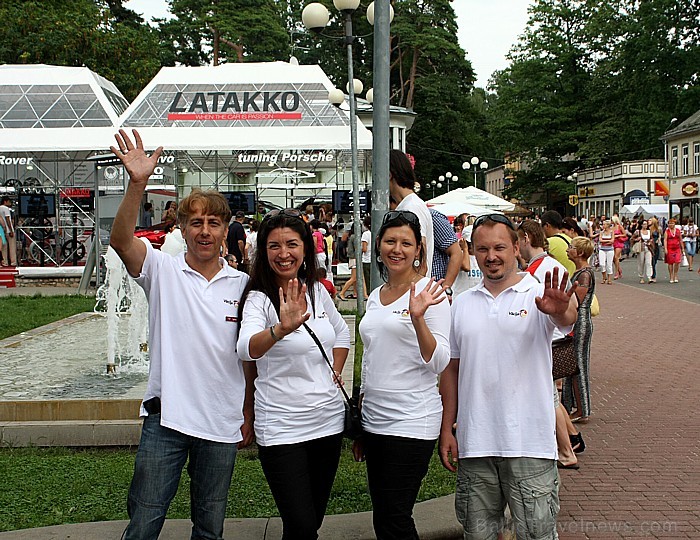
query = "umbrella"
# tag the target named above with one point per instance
(474, 196)
(454, 209)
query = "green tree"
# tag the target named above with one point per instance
(80, 33)
(226, 31)
(594, 82)
(328, 48)
(431, 75)
(541, 114)
(650, 76)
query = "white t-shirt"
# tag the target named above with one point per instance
(465, 280)
(174, 243)
(193, 328)
(400, 389)
(690, 232)
(415, 204)
(367, 255)
(296, 399)
(252, 243)
(6, 224)
(505, 372)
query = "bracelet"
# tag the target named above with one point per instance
(274, 336)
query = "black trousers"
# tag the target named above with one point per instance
(301, 477)
(396, 467)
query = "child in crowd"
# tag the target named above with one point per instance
(322, 276)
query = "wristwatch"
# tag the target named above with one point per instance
(448, 291)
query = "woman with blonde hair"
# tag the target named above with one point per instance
(618, 244)
(577, 388)
(606, 251)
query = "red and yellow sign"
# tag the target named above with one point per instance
(661, 188)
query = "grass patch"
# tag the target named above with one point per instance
(53, 486)
(22, 313)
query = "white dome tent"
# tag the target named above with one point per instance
(264, 127)
(247, 126)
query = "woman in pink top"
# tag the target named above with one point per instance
(618, 244)
(673, 246)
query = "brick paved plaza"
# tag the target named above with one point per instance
(640, 473)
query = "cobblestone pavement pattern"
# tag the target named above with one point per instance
(640, 473)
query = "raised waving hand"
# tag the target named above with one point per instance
(555, 299)
(137, 163)
(293, 312)
(431, 295)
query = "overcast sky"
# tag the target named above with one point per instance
(487, 29)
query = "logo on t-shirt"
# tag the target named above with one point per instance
(233, 303)
(231, 319)
(403, 312)
(322, 315)
(522, 313)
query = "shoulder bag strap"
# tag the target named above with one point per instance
(325, 357)
(563, 238)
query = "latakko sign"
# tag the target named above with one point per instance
(243, 105)
(217, 105)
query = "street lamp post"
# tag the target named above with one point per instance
(435, 184)
(448, 177)
(573, 177)
(474, 164)
(315, 17)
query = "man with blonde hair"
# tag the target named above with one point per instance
(193, 408)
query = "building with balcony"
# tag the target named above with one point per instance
(683, 153)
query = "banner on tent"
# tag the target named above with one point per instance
(236, 105)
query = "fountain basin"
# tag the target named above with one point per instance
(55, 390)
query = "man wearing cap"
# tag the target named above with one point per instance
(498, 391)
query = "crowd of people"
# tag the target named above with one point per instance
(265, 348)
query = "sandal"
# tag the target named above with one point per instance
(573, 466)
(577, 444)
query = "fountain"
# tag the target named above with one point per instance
(53, 385)
(124, 304)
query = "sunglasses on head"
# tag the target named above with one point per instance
(496, 218)
(408, 217)
(289, 212)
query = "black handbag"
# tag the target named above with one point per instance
(353, 417)
(564, 361)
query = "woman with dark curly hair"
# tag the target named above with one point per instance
(299, 412)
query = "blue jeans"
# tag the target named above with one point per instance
(159, 462)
